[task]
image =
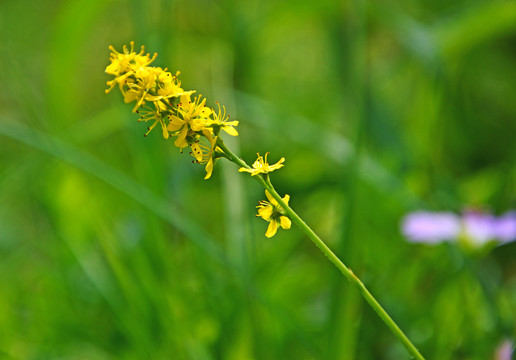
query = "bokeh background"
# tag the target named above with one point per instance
(112, 246)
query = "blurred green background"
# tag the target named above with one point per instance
(112, 246)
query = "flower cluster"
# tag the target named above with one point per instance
(474, 229)
(160, 99)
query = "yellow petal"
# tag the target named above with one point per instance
(271, 199)
(196, 151)
(185, 99)
(230, 130)
(150, 97)
(209, 169)
(285, 222)
(165, 77)
(265, 212)
(187, 93)
(113, 68)
(181, 139)
(180, 143)
(130, 95)
(286, 198)
(160, 106)
(174, 127)
(205, 112)
(207, 133)
(278, 165)
(175, 120)
(197, 124)
(271, 230)
(165, 132)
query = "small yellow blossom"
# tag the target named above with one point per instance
(127, 60)
(220, 122)
(206, 153)
(191, 120)
(272, 212)
(260, 166)
(170, 86)
(141, 89)
(149, 114)
(125, 64)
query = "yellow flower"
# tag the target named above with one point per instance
(260, 166)
(192, 119)
(139, 82)
(125, 64)
(205, 153)
(274, 214)
(127, 60)
(170, 86)
(220, 121)
(143, 88)
(147, 114)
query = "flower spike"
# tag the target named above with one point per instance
(193, 124)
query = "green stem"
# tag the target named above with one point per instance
(347, 272)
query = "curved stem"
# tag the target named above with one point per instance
(347, 272)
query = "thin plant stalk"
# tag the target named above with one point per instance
(196, 126)
(347, 272)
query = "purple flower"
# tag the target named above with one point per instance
(429, 227)
(504, 350)
(505, 227)
(478, 227)
(473, 227)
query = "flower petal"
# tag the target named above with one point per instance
(205, 112)
(265, 212)
(207, 133)
(130, 95)
(278, 165)
(174, 127)
(271, 230)
(165, 131)
(181, 138)
(230, 130)
(269, 196)
(209, 169)
(185, 99)
(285, 222)
(196, 151)
(197, 124)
